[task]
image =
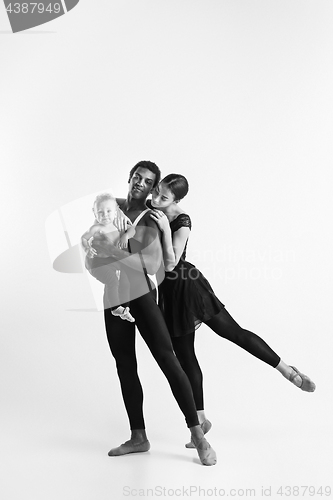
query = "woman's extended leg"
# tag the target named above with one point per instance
(225, 326)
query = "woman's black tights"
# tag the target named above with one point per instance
(184, 350)
(225, 326)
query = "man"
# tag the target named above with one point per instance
(146, 257)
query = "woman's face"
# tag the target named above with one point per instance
(162, 197)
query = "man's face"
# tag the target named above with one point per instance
(141, 183)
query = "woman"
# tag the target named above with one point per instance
(187, 299)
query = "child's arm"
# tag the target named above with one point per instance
(86, 240)
(123, 240)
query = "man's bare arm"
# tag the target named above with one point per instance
(151, 249)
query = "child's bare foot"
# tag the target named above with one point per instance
(124, 313)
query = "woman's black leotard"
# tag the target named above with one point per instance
(185, 296)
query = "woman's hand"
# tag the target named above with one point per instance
(161, 219)
(121, 221)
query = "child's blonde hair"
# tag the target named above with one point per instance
(102, 197)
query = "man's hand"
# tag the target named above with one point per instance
(121, 221)
(87, 247)
(91, 252)
(102, 246)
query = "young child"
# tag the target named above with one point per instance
(100, 267)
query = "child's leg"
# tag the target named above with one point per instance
(124, 294)
(124, 287)
(107, 275)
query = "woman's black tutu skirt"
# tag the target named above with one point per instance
(186, 299)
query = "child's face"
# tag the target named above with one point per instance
(105, 211)
(162, 197)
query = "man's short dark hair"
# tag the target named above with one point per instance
(149, 165)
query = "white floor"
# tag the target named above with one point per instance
(69, 464)
(66, 412)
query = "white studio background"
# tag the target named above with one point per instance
(237, 96)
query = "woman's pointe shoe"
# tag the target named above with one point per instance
(205, 426)
(206, 453)
(306, 385)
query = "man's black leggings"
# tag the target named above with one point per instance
(152, 327)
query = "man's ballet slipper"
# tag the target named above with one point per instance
(129, 447)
